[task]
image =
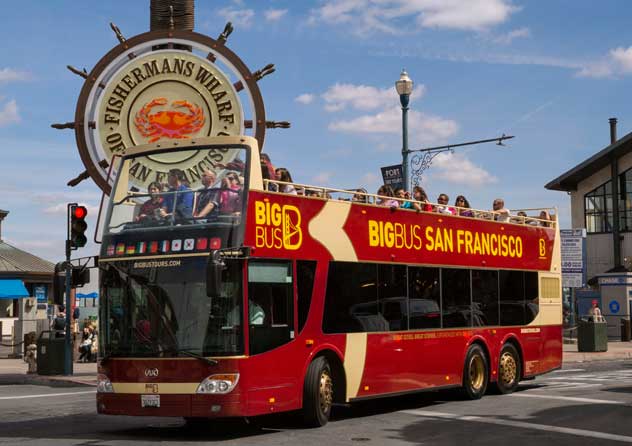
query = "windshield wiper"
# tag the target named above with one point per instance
(188, 352)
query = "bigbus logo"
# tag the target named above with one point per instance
(277, 226)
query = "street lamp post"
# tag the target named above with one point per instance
(404, 87)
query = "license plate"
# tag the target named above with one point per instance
(150, 400)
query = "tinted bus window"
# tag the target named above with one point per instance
(351, 300)
(512, 311)
(270, 304)
(531, 295)
(392, 294)
(484, 298)
(455, 297)
(424, 305)
(305, 273)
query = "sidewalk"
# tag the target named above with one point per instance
(13, 371)
(616, 350)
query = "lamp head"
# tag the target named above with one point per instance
(404, 85)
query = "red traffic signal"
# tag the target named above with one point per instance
(78, 226)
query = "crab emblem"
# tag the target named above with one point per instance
(185, 118)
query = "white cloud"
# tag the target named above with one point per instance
(458, 169)
(363, 97)
(368, 16)
(507, 38)
(272, 15)
(11, 75)
(322, 178)
(618, 62)
(305, 98)
(238, 17)
(423, 128)
(9, 113)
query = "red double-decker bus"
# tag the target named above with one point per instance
(273, 302)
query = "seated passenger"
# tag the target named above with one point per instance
(271, 173)
(443, 207)
(207, 198)
(230, 194)
(463, 207)
(150, 210)
(282, 174)
(359, 196)
(179, 203)
(500, 213)
(385, 198)
(545, 219)
(401, 193)
(421, 199)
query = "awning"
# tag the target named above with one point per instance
(12, 289)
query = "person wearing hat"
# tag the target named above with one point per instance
(595, 313)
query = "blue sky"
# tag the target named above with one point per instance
(550, 73)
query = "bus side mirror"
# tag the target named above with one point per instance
(214, 269)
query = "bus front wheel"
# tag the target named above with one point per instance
(318, 393)
(475, 372)
(509, 369)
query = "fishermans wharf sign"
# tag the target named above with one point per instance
(162, 87)
(166, 95)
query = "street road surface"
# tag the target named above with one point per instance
(580, 405)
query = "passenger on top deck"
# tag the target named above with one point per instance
(150, 210)
(500, 213)
(385, 193)
(270, 173)
(443, 207)
(179, 202)
(463, 207)
(359, 196)
(208, 196)
(401, 193)
(546, 219)
(282, 174)
(230, 194)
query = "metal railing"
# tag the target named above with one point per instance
(360, 196)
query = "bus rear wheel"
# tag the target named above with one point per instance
(475, 373)
(509, 369)
(318, 393)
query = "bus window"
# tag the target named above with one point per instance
(512, 304)
(351, 300)
(455, 296)
(392, 296)
(484, 297)
(425, 297)
(270, 304)
(305, 273)
(531, 295)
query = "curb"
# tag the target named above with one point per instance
(595, 356)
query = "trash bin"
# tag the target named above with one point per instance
(626, 332)
(592, 336)
(50, 354)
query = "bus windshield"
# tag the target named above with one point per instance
(158, 308)
(194, 187)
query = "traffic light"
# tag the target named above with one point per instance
(78, 226)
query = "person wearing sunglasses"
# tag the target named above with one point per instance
(463, 207)
(443, 207)
(230, 194)
(500, 213)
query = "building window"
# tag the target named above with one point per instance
(598, 209)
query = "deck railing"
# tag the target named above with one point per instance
(360, 196)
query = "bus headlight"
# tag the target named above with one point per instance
(218, 383)
(103, 384)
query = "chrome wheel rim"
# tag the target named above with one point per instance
(325, 391)
(477, 372)
(508, 369)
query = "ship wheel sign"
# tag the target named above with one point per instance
(164, 85)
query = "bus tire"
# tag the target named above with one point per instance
(509, 369)
(318, 393)
(475, 373)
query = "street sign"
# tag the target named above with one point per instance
(573, 264)
(393, 176)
